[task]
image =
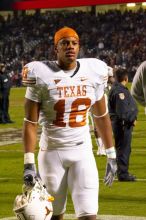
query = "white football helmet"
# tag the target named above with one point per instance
(34, 203)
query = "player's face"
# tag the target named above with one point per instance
(67, 50)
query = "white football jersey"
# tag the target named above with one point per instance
(65, 100)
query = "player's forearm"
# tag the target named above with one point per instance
(29, 137)
(103, 126)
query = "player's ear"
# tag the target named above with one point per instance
(55, 49)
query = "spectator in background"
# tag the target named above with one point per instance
(123, 114)
(17, 79)
(102, 36)
(5, 86)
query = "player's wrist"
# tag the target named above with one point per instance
(29, 158)
(30, 175)
(111, 152)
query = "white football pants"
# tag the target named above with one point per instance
(73, 169)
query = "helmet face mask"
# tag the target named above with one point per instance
(34, 203)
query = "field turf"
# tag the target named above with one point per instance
(124, 198)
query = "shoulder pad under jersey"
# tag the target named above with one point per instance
(36, 72)
(98, 70)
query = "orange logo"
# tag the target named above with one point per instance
(47, 212)
(25, 72)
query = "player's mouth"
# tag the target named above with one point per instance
(70, 54)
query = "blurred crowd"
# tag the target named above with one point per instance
(118, 38)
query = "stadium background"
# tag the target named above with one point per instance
(124, 198)
(114, 33)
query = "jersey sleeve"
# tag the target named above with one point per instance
(101, 78)
(33, 93)
(99, 91)
(138, 88)
(102, 73)
(30, 79)
(29, 74)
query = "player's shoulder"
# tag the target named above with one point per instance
(140, 75)
(92, 62)
(95, 65)
(36, 70)
(33, 64)
(96, 69)
(32, 68)
(141, 69)
(36, 66)
(143, 64)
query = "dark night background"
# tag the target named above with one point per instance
(6, 4)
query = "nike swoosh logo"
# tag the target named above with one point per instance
(83, 79)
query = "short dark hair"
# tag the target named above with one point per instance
(121, 74)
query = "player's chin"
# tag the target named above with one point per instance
(71, 58)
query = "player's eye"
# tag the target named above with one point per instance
(64, 43)
(75, 43)
(67, 43)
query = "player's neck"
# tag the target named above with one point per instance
(67, 66)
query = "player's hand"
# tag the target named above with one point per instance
(111, 170)
(30, 175)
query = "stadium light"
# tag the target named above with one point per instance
(131, 4)
(143, 3)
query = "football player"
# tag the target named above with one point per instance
(58, 97)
